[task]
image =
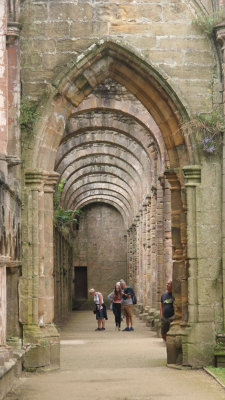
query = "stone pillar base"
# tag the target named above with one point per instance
(174, 343)
(44, 347)
(5, 354)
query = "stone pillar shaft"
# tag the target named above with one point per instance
(178, 248)
(220, 35)
(167, 233)
(193, 175)
(159, 236)
(37, 290)
(148, 252)
(2, 304)
(153, 249)
(3, 80)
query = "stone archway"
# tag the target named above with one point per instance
(154, 161)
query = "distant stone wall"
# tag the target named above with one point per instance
(100, 245)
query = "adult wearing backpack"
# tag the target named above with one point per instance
(127, 305)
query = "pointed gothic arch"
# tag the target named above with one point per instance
(103, 60)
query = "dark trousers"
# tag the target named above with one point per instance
(117, 313)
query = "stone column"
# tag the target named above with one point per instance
(144, 254)
(46, 261)
(167, 233)
(13, 31)
(2, 301)
(159, 239)
(192, 175)
(220, 35)
(129, 255)
(153, 248)
(178, 250)
(3, 80)
(148, 252)
(134, 250)
(141, 256)
(36, 284)
(137, 263)
(178, 228)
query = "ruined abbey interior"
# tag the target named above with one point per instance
(103, 95)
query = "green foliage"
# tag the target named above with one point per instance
(28, 116)
(61, 215)
(218, 372)
(207, 22)
(208, 130)
(219, 346)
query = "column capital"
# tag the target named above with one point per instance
(37, 178)
(34, 178)
(192, 175)
(50, 180)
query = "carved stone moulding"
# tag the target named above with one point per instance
(13, 32)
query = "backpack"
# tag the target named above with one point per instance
(134, 298)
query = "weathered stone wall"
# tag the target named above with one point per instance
(54, 33)
(100, 245)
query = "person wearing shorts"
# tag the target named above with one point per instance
(127, 305)
(166, 310)
(100, 310)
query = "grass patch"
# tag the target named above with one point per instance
(218, 372)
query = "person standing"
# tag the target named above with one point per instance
(100, 310)
(116, 298)
(166, 310)
(127, 305)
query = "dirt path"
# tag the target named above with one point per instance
(114, 365)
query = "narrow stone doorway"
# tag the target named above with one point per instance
(80, 283)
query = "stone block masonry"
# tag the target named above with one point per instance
(161, 32)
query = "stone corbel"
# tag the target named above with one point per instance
(13, 32)
(171, 176)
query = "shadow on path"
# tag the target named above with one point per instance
(114, 365)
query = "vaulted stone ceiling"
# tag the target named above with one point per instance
(112, 151)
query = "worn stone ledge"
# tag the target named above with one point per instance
(9, 372)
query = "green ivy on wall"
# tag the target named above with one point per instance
(62, 216)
